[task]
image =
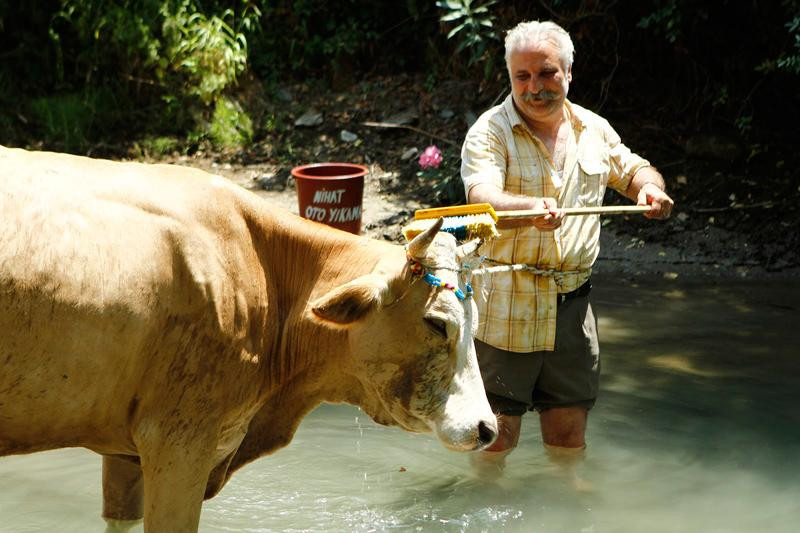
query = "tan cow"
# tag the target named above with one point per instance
(182, 327)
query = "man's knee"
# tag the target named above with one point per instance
(570, 439)
(508, 429)
(564, 427)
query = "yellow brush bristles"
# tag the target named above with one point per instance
(456, 211)
(462, 227)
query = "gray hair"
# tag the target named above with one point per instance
(535, 31)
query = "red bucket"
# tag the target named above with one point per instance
(331, 193)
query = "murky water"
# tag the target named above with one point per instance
(697, 430)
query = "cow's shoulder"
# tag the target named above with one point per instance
(217, 267)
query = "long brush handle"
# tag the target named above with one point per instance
(600, 210)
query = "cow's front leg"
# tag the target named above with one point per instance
(122, 493)
(175, 476)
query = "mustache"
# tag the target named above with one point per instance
(544, 94)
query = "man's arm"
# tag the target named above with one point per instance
(647, 188)
(503, 201)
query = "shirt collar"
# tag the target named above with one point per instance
(577, 123)
(511, 112)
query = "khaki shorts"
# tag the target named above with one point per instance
(566, 377)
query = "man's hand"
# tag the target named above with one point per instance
(502, 201)
(550, 221)
(660, 203)
(647, 188)
(547, 222)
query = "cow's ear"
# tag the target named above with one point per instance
(351, 301)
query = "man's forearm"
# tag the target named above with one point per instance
(647, 188)
(643, 177)
(500, 200)
(503, 201)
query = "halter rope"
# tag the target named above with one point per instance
(422, 271)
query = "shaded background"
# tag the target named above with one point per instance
(708, 91)
(730, 67)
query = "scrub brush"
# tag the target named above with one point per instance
(472, 221)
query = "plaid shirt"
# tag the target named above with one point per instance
(518, 309)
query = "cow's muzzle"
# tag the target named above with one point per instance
(468, 439)
(487, 433)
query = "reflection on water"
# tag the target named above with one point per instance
(697, 429)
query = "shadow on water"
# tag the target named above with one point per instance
(696, 429)
(708, 366)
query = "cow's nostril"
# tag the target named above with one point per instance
(486, 433)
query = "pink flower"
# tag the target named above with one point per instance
(430, 158)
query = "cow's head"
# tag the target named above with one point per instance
(410, 343)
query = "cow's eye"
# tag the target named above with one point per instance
(437, 325)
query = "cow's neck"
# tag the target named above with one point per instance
(302, 262)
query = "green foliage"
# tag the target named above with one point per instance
(666, 20)
(96, 38)
(744, 123)
(207, 53)
(474, 26)
(319, 37)
(69, 120)
(170, 56)
(430, 82)
(449, 190)
(156, 146)
(76, 71)
(791, 60)
(230, 126)
(63, 119)
(274, 123)
(788, 59)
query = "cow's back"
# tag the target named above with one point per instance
(107, 271)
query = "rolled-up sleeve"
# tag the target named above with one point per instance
(484, 156)
(624, 163)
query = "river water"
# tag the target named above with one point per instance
(697, 430)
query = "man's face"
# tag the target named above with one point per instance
(539, 83)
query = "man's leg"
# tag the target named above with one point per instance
(563, 433)
(568, 386)
(509, 379)
(508, 428)
(490, 462)
(564, 427)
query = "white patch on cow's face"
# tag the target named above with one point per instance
(418, 362)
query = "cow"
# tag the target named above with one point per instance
(181, 327)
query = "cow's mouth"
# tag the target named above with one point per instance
(411, 423)
(394, 414)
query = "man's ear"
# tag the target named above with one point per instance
(351, 301)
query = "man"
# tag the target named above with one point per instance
(537, 340)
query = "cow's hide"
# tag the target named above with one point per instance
(182, 327)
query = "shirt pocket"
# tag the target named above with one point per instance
(524, 175)
(593, 179)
